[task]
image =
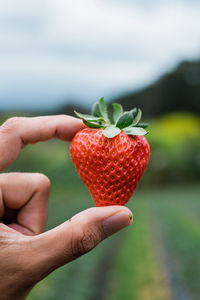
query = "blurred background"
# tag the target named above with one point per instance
(57, 56)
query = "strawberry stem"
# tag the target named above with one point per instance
(128, 121)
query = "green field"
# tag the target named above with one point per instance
(155, 258)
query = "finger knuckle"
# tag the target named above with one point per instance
(43, 181)
(85, 242)
(11, 124)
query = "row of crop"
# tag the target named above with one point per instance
(139, 272)
(183, 242)
(160, 257)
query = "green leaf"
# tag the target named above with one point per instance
(143, 125)
(125, 120)
(117, 111)
(92, 124)
(134, 131)
(95, 110)
(134, 112)
(87, 117)
(103, 109)
(137, 117)
(111, 131)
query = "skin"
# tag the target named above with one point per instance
(27, 254)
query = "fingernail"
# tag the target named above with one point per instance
(131, 217)
(117, 222)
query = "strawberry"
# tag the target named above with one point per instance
(111, 154)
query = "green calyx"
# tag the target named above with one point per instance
(114, 123)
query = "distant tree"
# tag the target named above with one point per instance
(69, 109)
(175, 91)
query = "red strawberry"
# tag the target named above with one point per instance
(110, 158)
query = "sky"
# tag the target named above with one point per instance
(55, 51)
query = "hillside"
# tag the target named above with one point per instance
(175, 91)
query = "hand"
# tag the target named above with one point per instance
(26, 254)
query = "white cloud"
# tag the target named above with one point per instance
(83, 49)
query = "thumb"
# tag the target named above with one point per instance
(77, 236)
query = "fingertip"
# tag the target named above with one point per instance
(111, 218)
(117, 222)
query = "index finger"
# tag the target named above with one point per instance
(17, 132)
